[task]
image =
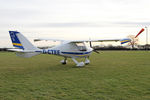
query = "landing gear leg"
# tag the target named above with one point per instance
(87, 61)
(64, 61)
(78, 64)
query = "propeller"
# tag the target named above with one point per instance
(93, 48)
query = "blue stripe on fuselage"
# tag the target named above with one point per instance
(39, 51)
(76, 53)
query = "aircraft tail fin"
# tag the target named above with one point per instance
(19, 41)
(26, 48)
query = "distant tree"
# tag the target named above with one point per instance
(134, 41)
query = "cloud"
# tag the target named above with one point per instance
(91, 24)
(17, 13)
(134, 23)
(67, 24)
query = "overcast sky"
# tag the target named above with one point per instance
(73, 19)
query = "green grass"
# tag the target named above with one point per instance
(112, 75)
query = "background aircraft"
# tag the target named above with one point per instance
(68, 48)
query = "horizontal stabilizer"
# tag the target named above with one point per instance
(15, 50)
(20, 50)
(24, 53)
(27, 55)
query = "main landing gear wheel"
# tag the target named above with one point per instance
(64, 61)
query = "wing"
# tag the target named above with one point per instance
(124, 40)
(97, 40)
(36, 40)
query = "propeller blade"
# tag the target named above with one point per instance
(90, 44)
(96, 51)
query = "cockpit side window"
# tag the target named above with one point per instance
(81, 46)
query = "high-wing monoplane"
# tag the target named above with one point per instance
(68, 48)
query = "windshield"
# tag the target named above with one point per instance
(81, 46)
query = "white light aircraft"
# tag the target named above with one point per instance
(68, 49)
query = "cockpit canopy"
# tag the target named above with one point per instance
(81, 46)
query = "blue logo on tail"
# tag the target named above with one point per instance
(14, 38)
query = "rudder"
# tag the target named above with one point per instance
(19, 41)
(15, 41)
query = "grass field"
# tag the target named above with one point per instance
(112, 75)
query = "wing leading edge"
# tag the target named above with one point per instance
(124, 40)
